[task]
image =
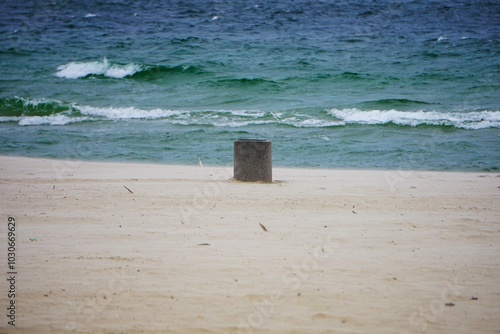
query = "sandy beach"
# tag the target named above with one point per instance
(136, 248)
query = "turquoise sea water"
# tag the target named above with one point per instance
(342, 84)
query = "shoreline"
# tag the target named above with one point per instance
(107, 247)
(230, 165)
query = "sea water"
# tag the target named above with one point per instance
(333, 84)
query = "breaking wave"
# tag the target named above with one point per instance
(465, 120)
(53, 112)
(104, 68)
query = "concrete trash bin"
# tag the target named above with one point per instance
(253, 160)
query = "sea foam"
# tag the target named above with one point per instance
(50, 120)
(75, 70)
(127, 113)
(54, 112)
(466, 120)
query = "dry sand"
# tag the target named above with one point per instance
(185, 250)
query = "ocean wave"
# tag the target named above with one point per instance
(57, 119)
(37, 112)
(238, 118)
(78, 70)
(6, 119)
(127, 113)
(154, 72)
(465, 120)
(18, 106)
(310, 122)
(52, 112)
(51, 120)
(218, 118)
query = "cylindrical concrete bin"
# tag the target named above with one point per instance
(253, 160)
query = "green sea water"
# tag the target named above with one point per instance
(344, 84)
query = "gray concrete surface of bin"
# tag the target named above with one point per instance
(253, 160)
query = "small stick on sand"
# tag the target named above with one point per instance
(130, 191)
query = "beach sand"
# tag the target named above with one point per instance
(187, 250)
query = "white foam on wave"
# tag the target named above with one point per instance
(50, 120)
(220, 122)
(6, 119)
(221, 118)
(245, 113)
(239, 118)
(231, 118)
(311, 122)
(128, 112)
(75, 70)
(465, 120)
(90, 15)
(35, 102)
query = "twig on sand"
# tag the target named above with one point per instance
(130, 191)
